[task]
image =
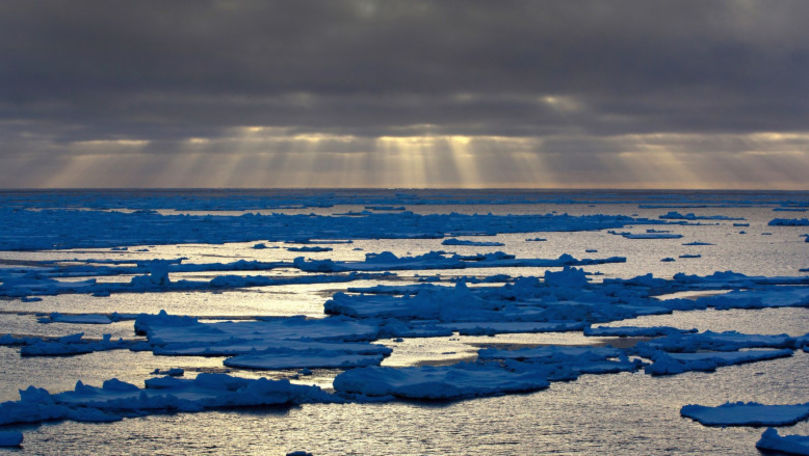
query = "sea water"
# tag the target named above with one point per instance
(626, 413)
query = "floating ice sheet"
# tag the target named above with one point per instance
(789, 444)
(676, 363)
(313, 359)
(437, 383)
(746, 414)
(117, 399)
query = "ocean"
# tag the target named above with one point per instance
(467, 270)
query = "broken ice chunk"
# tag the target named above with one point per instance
(789, 444)
(746, 414)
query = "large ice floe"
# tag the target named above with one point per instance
(436, 383)
(747, 414)
(115, 399)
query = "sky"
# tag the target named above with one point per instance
(359, 93)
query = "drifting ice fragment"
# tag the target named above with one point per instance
(654, 235)
(746, 414)
(634, 331)
(716, 341)
(87, 319)
(676, 363)
(275, 359)
(173, 372)
(790, 444)
(673, 215)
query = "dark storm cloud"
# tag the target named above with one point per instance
(81, 70)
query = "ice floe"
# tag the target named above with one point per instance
(747, 414)
(297, 359)
(634, 331)
(673, 215)
(115, 399)
(454, 241)
(676, 363)
(789, 222)
(21, 229)
(436, 382)
(789, 444)
(647, 235)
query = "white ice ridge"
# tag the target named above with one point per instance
(788, 444)
(746, 414)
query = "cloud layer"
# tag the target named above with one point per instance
(471, 93)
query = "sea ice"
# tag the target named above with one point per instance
(629, 235)
(562, 363)
(634, 331)
(763, 297)
(73, 344)
(453, 241)
(387, 261)
(714, 341)
(314, 248)
(297, 359)
(93, 319)
(437, 383)
(747, 414)
(673, 215)
(789, 444)
(24, 229)
(676, 363)
(788, 222)
(117, 399)
(10, 438)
